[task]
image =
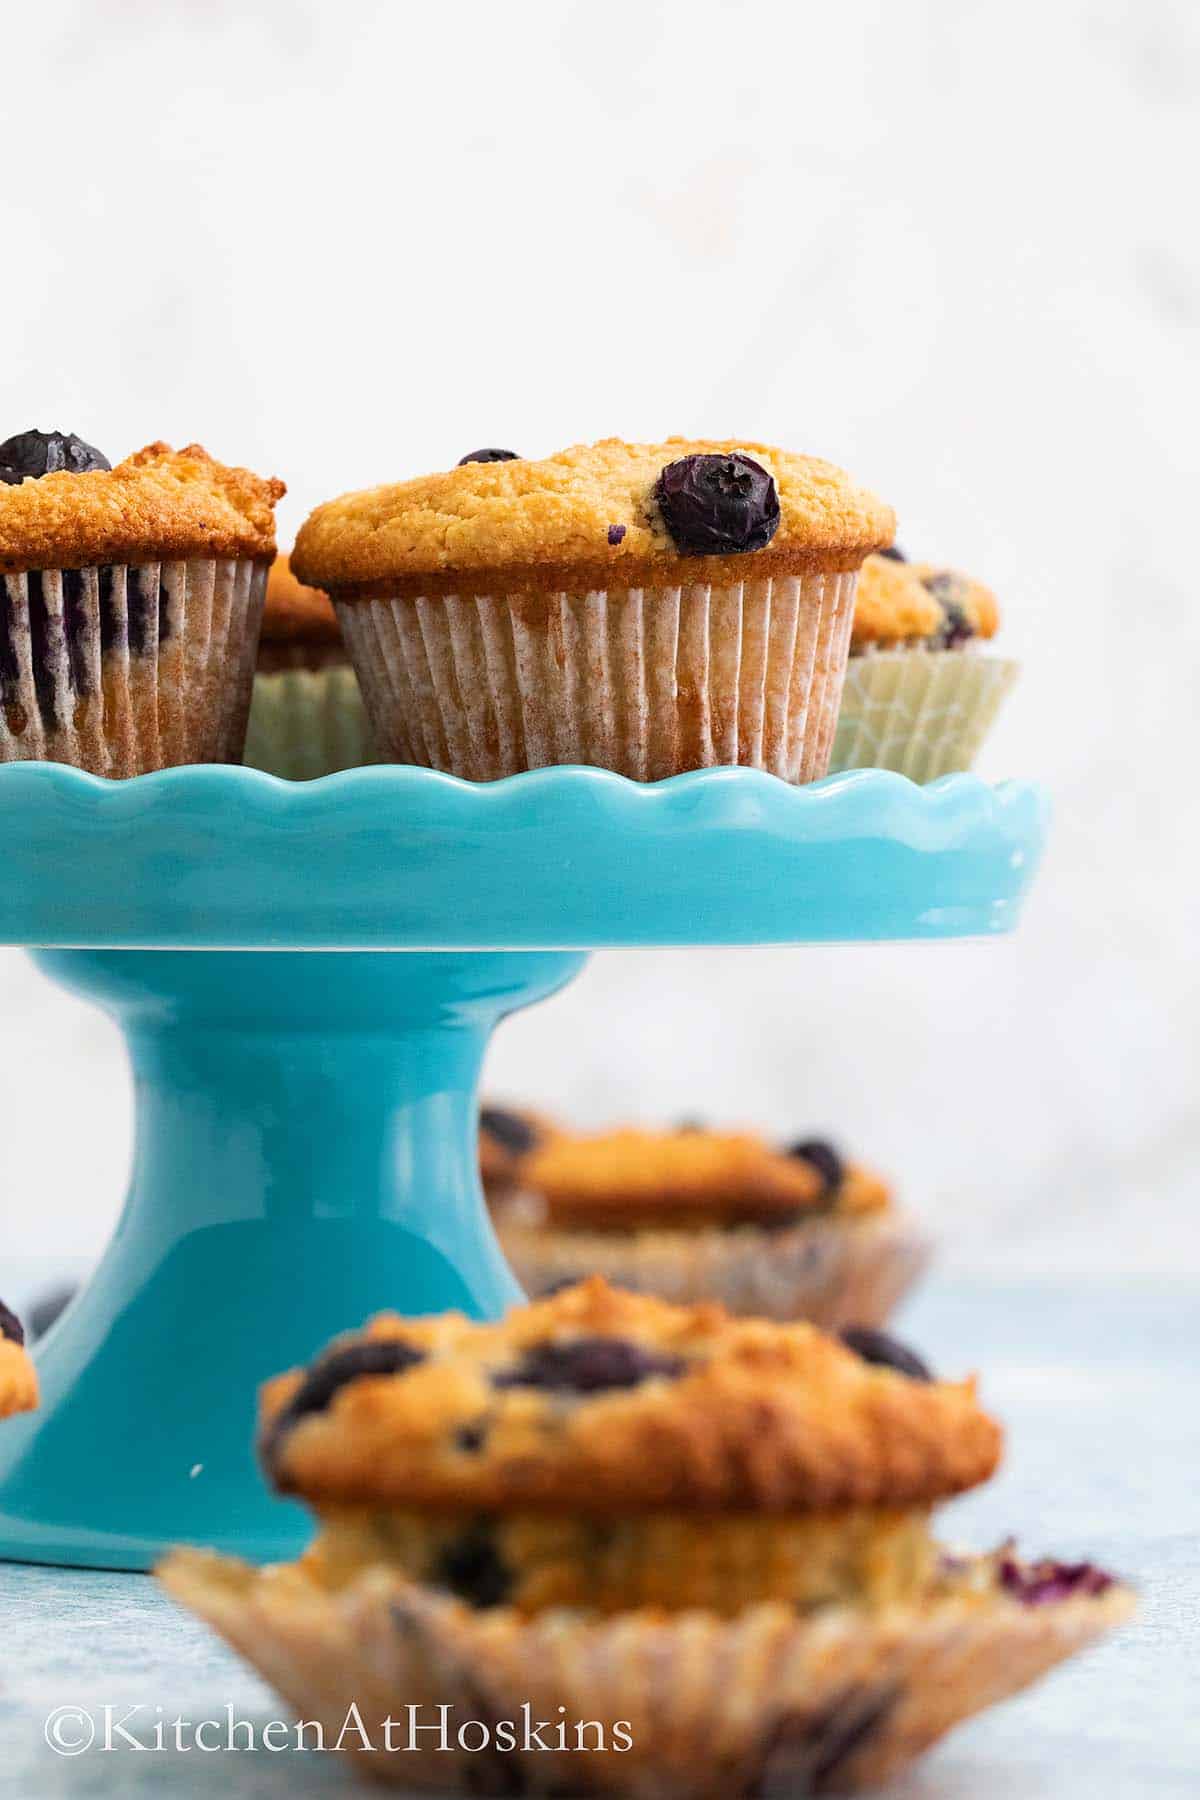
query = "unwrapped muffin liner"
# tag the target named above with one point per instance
(123, 669)
(646, 681)
(766, 1703)
(922, 713)
(831, 1270)
(305, 723)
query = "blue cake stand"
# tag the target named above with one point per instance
(305, 1147)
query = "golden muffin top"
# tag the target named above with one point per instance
(18, 1379)
(630, 1180)
(900, 602)
(158, 505)
(295, 614)
(596, 514)
(605, 1402)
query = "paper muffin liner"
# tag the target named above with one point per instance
(921, 713)
(305, 723)
(124, 669)
(766, 1703)
(647, 681)
(833, 1271)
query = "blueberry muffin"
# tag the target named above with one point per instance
(18, 1379)
(701, 1544)
(129, 603)
(779, 1232)
(920, 694)
(647, 608)
(307, 717)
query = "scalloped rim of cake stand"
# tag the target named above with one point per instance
(397, 857)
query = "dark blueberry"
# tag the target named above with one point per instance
(471, 1567)
(615, 534)
(145, 610)
(470, 1439)
(957, 628)
(10, 1326)
(489, 456)
(510, 1130)
(878, 1347)
(718, 505)
(77, 628)
(46, 1311)
(947, 588)
(893, 553)
(807, 1752)
(1039, 1583)
(10, 662)
(334, 1371)
(588, 1365)
(821, 1156)
(46, 452)
(11, 477)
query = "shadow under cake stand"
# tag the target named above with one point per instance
(307, 975)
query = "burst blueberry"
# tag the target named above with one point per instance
(588, 1365)
(40, 453)
(718, 505)
(488, 456)
(10, 1326)
(885, 1351)
(1039, 1583)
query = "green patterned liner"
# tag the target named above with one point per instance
(307, 722)
(922, 713)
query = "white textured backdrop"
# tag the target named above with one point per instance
(954, 248)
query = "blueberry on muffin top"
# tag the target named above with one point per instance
(37, 453)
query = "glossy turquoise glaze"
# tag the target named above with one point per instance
(388, 857)
(304, 1158)
(305, 1150)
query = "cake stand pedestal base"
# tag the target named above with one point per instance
(305, 1156)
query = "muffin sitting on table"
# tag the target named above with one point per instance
(693, 1552)
(307, 718)
(780, 1232)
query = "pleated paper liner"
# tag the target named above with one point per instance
(921, 713)
(833, 1271)
(305, 723)
(123, 669)
(646, 681)
(766, 1703)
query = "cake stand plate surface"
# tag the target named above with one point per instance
(305, 1139)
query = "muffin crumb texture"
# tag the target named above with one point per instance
(159, 505)
(588, 514)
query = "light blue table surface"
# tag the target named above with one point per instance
(1097, 1384)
